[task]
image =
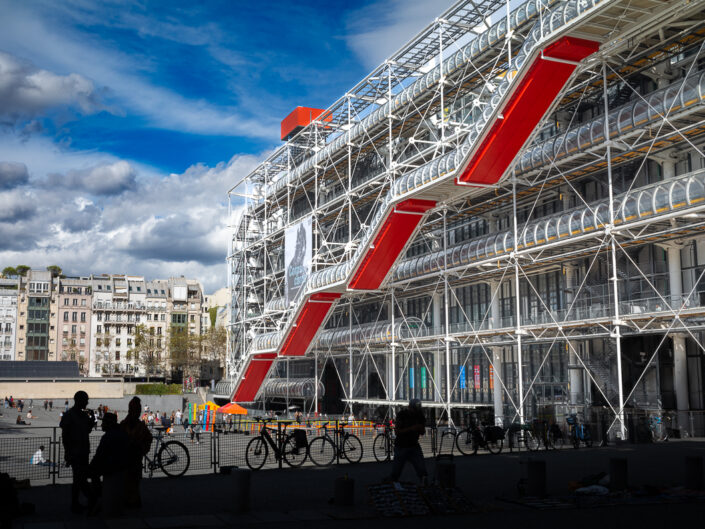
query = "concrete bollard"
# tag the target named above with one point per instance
(445, 472)
(240, 482)
(344, 492)
(113, 495)
(619, 472)
(694, 473)
(536, 478)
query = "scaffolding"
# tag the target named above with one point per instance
(507, 218)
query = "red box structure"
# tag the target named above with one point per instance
(298, 119)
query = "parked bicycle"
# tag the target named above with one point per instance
(554, 437)
(522, 434)
(489, 437)
(383, 444)
(291, 448)
(579, 432)
(171, 457)
(324, 449)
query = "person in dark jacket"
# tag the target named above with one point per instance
(139, 441)
(410, 425)
(76, 424)
(111, 456)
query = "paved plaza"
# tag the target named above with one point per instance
(297, 496)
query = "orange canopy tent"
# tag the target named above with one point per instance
(232, 408)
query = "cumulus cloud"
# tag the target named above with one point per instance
(83, 220)
(13, 174)
(26, 91)
(158, 226)
(105, 179)
(16, 206)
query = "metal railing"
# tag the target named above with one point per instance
(226, 445)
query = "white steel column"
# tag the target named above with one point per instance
(497, 389)
(517, 302)
(680, 360)
(392, 376)
(616, 329)
(449, 382)
(436, 302)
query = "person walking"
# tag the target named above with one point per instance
(76, 425)
(51, 405)
(46, 405)
(410, 425)
(140, 439)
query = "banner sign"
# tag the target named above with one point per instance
(298, 249)
(423, 378)
(491, 377)
(411, 377)
(476, 369)
(462, 377)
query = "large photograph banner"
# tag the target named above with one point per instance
(298, 249)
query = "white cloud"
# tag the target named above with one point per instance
(12, 174)
(161, 225)
(378, 30)
(105, 179)
(26, 91)
(122, 75)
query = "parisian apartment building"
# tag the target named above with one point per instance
(93, 320)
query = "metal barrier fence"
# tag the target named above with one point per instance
(211, 450)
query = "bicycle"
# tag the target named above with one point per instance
(291, 448)
(471, 438)
(324, 449)
(579, 432)
(554, 437)
(522, 434)
(172, 457)
(383, 444)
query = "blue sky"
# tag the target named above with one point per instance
(122, 124)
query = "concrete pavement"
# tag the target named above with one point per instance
(301, 496)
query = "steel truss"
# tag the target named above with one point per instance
(535, 282)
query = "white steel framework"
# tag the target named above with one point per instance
(573, 282)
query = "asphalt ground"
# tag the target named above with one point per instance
(303, 496)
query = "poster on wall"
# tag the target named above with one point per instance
(298, 249)
(476, 369)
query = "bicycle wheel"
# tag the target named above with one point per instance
(173, 458)
(352, 448)
(256, 453)
(532, 442)
(321, 451)
(495, 447)
(293, 455)
(379, 448)
(464, 442)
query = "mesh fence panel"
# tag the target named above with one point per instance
(16, 456)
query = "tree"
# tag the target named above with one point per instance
(22, 270)
(185, 351)
(146, 351)
(9, 271)
(55, 270)
(215, 345)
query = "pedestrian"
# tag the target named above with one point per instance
(111, 455)
(38, 458)
(51, 405)
(7, 402)
(31, 402)
(76, 425)
(46, 405)
(20, 405)
(140, 439)
(185, 423)
(66, 406)
(12, 402)
(410, 425)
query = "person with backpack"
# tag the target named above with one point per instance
(410, 424)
